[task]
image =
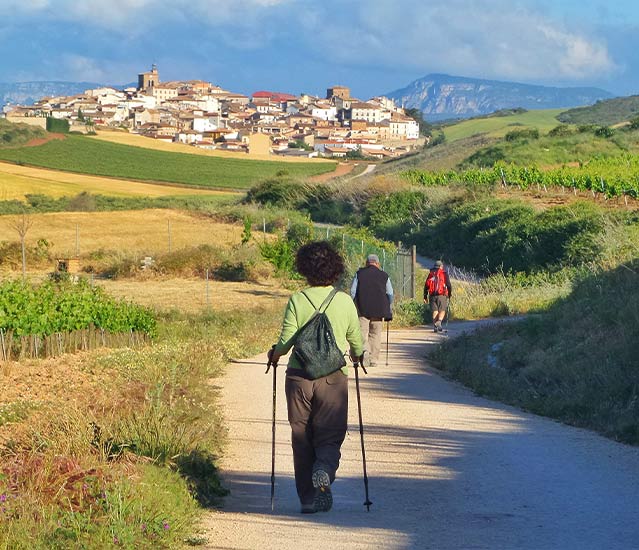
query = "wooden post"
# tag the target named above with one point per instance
(413, 269)
(208, 302)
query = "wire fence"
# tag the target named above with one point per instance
(397, 261)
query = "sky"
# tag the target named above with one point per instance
(306, 46)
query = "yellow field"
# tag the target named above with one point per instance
(189, 295)
(140, 231)
(17, 181)
(126, 138)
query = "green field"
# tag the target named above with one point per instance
(87, 156)
(543, 120)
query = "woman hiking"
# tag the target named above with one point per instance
(318, 408)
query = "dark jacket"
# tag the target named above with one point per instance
(371, 298)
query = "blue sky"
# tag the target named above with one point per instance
(373, 46)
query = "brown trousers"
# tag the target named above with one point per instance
(318, 415)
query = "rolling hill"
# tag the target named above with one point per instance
(604, 113)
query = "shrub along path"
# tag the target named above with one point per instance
(447, 469)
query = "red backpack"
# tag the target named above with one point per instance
(436, 283)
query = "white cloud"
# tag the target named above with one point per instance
(497, 39)
(127, 16)
(506, 39)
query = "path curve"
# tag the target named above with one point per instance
(447, 470)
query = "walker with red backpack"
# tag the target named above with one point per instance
(435, 285)
(436, 282)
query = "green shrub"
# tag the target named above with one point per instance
(486, 157)
(562, 130)
(604, 132)
(394, 208)
(57, 125)
(521, 134)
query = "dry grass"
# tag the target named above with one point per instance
(189, 295)
(142, 232)
(125, 138)
(18, 181)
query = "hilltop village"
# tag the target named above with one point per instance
(203, 115)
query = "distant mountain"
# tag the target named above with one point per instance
(441, 96)
(605, 113)
(26, 93)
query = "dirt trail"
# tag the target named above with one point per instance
(447, 470)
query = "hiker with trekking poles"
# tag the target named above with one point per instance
(372, 293)
(321, 325)
(437, 293)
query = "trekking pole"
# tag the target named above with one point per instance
(356, 364)
(387, 331)
(268, 366)
(447, 314)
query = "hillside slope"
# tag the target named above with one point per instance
(604, 113)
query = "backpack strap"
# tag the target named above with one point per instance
(327, 301)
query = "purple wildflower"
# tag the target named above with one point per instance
(165, 525)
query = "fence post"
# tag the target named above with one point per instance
(4, 354)
(413, 269)
(208, 303)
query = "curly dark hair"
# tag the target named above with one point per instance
(320, 263)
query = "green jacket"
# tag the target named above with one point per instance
(341, 313)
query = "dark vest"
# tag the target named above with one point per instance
(371, 299)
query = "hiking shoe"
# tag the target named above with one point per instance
(308, 509)
(323, 498)
(435, 328)
(440, 329)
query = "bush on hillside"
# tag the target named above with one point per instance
(277, 191)
(401, 207)
(604, 132)
(485, 158)
(521, 134)
(490, 235)
(57, 125)
(562, 130)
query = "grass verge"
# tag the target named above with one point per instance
(576, 362)
(124, 450)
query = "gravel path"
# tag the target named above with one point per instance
(447, 470)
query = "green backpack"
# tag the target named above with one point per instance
(315, 347)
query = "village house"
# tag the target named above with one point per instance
(200, 113)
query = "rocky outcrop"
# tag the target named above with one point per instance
(441, 96)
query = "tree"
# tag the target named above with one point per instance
(22, 226)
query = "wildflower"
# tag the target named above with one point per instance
(116, 540)
(165, 525)
(143, 527)
(3, 497)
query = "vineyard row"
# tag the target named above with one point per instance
(613, 176)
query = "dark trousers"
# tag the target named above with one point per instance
(318, 415)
